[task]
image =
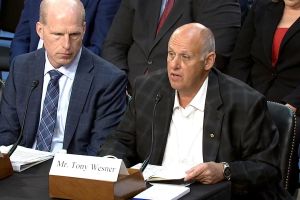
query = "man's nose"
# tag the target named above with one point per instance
(175, 62)
(66, 41)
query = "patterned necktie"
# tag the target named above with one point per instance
(48, 119)
(164, 16)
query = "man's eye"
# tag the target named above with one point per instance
(171, 54)
(57, 34)
(185, 57)
(75, 35)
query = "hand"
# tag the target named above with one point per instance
(291, 107)
(206, 173)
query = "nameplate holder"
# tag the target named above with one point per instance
(88, 177)
(6, 169)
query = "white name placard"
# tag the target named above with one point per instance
(87, 167)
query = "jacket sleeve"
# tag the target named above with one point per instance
(9, 119)
(109, 109)
(105, 12)
(257, 138)
(21, 40)
(119, 37)
(122, 142)
(241, 60)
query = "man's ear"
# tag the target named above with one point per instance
(209, 60)
(39, 29)
(84, 29)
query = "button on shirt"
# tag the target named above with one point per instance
(184, 144)
(65, 89)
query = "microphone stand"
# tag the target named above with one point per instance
(5, 163)
(146, 162)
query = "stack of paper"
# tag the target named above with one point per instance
(163, 192)
(162, 174)
(24, 158)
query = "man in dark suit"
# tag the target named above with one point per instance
(134, 45)
(213, 126)
(99, 15)
(91, 91)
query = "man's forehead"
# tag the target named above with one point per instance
(182, 46)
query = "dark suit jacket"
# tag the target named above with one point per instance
(97, 102)
(99, 15)
(133, 46)
(237, 129)
(252, 58)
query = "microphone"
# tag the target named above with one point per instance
(34, 84)
(146, 161)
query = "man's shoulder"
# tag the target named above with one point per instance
(235, 96)
(101, 65)
(28, 58)
(230, 86)
(36, 53)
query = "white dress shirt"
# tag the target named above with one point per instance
(40, 44)
(163, 5)
(65, 90)
(184, 144)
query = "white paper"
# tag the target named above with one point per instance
(163, 192)
(161, 171)
(24, 158)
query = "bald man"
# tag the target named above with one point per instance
(74, 97)
(212, 127)
(99, 16)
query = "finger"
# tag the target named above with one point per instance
(194, 173)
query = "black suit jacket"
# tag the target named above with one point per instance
(132, 44)
(237, 129)
(97, 102)
(252, 58)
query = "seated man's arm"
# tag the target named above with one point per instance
(110, 107)
(259, 150)
(122, 141)
(9, 118)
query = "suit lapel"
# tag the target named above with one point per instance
(150, 16)
(273, 17)
(175, 14)
(213, 117)
(36, 69)
(80, 89)
(295, 28)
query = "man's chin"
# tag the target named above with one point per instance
(65, 61)
(175, 86)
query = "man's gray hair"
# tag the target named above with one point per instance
(208, 44)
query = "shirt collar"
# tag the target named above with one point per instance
(198, 101)
(67, 70)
